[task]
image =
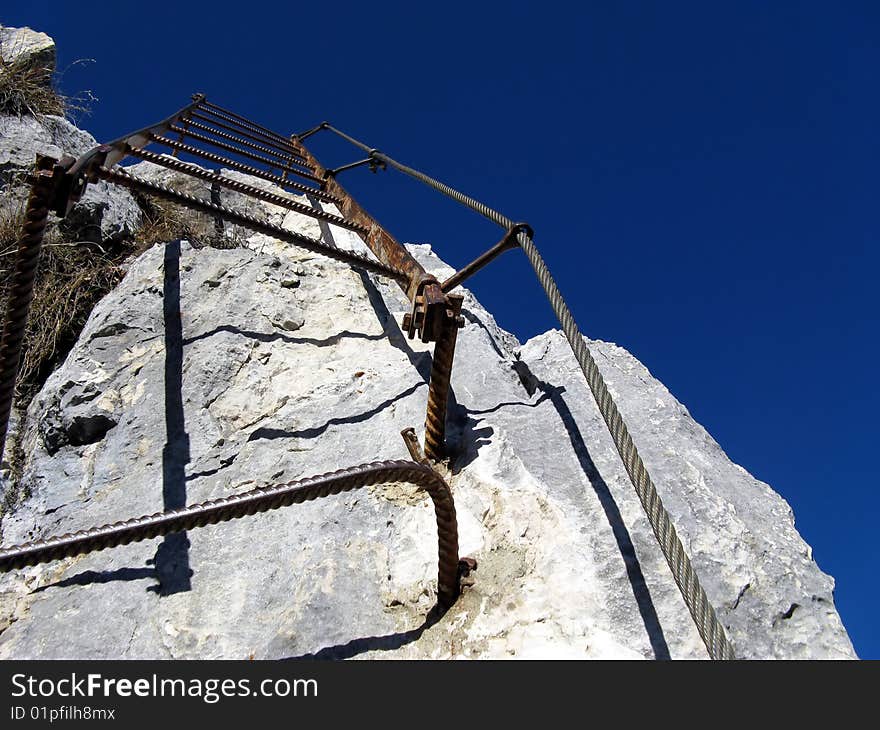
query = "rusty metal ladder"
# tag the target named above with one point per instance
(435, 312)
(196, 131)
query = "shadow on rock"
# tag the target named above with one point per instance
(389, 642)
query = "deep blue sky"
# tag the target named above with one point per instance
(702, 178)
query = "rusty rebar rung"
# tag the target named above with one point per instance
(220, 144)
(247, 169)
(126, 179)
(275, 199)
(219, 110)
(282, 146)
(262, 499)
(240, 140)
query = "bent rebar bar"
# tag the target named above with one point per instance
(258, 500)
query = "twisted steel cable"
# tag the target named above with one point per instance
(21, 292)
(262, 499)
(699, 606)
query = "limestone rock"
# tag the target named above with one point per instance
(209, 372)
(106, 213)
(26, 47)
(187, 384)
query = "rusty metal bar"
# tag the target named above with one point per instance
(276, 140)
(505, 244)
(241, 121)
(379, 241)
(701, 609)
(438, 388)
(263, 499)
(136, 139)
(126, 179)
(44, 181)
(412, 445)
(247, 169)
(428, 301)
(279, 153)
(302, 136)
(240, 187)
(352, 165)
(220, 144)
(221, 120)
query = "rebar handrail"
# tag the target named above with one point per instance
(262, 499)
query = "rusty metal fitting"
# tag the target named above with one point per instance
(429, 309)
(413, 446)
(466, 566)
(507, 242)
(352, 165)
(522, 227)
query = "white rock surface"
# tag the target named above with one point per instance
(27, 47)
(105, 213)
(273, 363)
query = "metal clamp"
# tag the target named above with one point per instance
(429, 311)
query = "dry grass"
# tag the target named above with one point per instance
(29, 90)
(166, 221)
(73, 276)
(71, 279)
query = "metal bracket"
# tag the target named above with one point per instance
(430, 307)
(373, 164)
(309, 132)
(505, 244)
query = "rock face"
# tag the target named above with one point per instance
(208, 372)
(105, 214)
(26, 47)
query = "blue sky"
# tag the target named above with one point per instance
(701, 177)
